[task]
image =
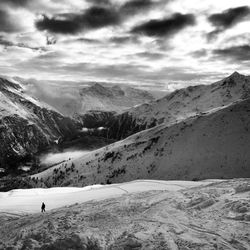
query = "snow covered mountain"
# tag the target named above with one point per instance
(115, 98)
(180, 105)
(26, 124)
(214, 144)
(143, 214)
(76, 98)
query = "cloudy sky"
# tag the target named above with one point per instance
(166, 43)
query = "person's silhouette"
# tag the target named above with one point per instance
(43, 207)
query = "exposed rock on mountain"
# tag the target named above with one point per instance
(96, 119)
(27, 125)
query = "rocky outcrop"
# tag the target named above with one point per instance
(111, 125)
(96, 118)
(126, 124)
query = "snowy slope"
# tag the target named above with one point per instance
(29, 200)
(181, 104)
(14, 101)
(212, 145)
(27, 124)
(194, 216)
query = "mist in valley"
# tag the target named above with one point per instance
(54, 158)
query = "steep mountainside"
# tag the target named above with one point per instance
(27, 125)
(74, 99)
(212, 145)
(180, 105)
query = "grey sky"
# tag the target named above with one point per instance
(163, 43)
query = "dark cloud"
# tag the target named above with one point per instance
(97, 17)
(134, 6)
(227, 19)
(165, 27)
(101, 13)
(235, 53)
(17, 3)
(6, 23)
(93, 18)
(56, 25)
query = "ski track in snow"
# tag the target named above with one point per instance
(22, 201)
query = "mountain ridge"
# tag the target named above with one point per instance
(180, 104)
(211, 145)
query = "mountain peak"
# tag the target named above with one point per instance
(97, 86)
(236, 75)
(235, 79)
(98, 89)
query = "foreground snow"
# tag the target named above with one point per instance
(136, 215)
(29, 200)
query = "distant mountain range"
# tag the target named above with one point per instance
(203, 132)
(74, 99)
(115, 98)
(173, 107)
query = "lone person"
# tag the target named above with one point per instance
(43, 207)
